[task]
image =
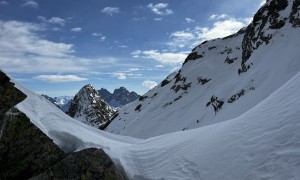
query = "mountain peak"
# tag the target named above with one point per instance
(88, 107)
(269, 19)
(120, 97)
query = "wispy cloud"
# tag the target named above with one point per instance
(31, 4)
(160, 66)
(52, 20)
(119, 75)
(160, 9)
(158, 19)
(149, 84)
(162, 57)
(111, 10)
(4, 3)
(223, 25)
(100, 36)
(23, 50)
(218, 16)
(59, 78)
(76, 29)
(189, 20)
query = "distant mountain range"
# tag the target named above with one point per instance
(119, 98)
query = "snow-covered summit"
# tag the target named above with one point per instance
(88, 107)
(221, 79)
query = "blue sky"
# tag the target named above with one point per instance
(55, 47)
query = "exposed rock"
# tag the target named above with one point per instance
(88, 107)
(255, 33)
(24, 150)
(192, 56)
(119, 98)
(90, 163)
(9, 95)
(216, 103)
(295, 15)
(203, 80)
(236, 96)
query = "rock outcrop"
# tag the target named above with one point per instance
(88, 107)
(26, 152)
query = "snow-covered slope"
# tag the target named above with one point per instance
(263, 143)
(88, 107)
(222, 78)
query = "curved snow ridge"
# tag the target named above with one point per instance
(263, 143)
(52, 121)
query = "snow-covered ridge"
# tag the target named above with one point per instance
(261, 143)
(221, 79)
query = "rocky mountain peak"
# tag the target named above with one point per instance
(88, 107)
(120, 97)
(271, 17)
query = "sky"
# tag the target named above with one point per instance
(55, 47)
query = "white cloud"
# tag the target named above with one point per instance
(4, 3)
(57, 20)
(182, 34)
(110, 10)
(59, 78)
(189, 20)
(100, 36)
(123, 46)
(218, 16)
(160, 9)
(160, 66)
(158, 19)
(262, 2)
(119, 75)
(31, 4)
(162, 57)
(149, 84)
(134, 69)
(222, 26)
(136, 53)
(76, 29)
(52, 20)
(23, 50)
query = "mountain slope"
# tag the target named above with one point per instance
(221, 79)
(119, 97)
(263, 143)
(88, 107)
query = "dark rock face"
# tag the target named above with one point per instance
(24, 150)
(120, 97)
(88, 107)
(193, 56)
(86, 164)
(266, 17)
(9, 95)
(295, 16)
